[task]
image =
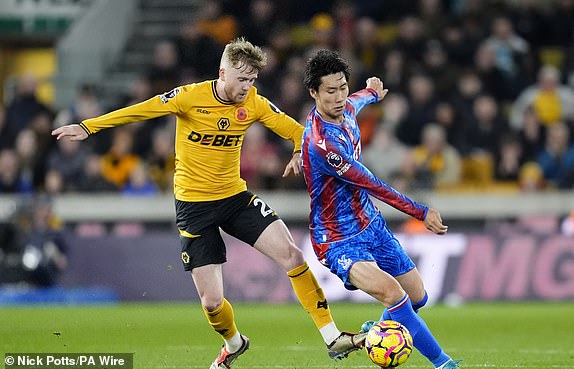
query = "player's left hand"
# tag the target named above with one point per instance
(294, 165)
(433, 222)
(376, 84)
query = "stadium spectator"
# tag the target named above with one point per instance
(510, 49)
(550, 100)
(532, 135)
(196, 51)
(469, 87)
(367, 49)
(139, 183)
(436, 66)
(261, 18)
(31, 160)
(161, 160)
(557, 158)
(395, 70)
(531, 178)
(291, 94)
(494, 81)
(53, 183)
(410, 39)
(23, 108)
(92, 179)
(508, 159)
(214, 23)
(119, 162)
(68, 159)
(422, 107)
(45, 247)
(322, 28)
(34, 245)
(164, 72)
(385, 145)
(260, 161)
(395, 108)
(11, 180)
(433, 16)
(84, 106)
(484, 129)
(436, 164)
(345, 14)
(446, 117)
(456, 44)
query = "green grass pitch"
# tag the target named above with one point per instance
(497, 335)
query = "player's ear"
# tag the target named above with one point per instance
(313, 93)
(222, 74)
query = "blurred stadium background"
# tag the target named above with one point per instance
(479, 123)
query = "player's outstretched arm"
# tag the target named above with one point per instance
(73, 131)
(294, 165)
(433, 222)
(376, 84)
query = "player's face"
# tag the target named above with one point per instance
(331, 97)
(237, 82)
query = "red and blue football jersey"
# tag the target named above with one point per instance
(338, 183)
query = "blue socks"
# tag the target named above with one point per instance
(416, 306)
(423, 339)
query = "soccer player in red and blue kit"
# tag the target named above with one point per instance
(348, 232)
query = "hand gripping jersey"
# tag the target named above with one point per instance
(338, 183)
(208, 136)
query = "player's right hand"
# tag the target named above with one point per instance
(433, 222)
(73, 131)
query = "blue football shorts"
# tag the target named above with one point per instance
(375, 243)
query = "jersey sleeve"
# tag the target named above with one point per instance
(167, 103)
(338, 161)
(279, 122)
(363, 97)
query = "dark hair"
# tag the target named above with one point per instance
(325, 62)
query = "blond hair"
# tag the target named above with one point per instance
(243, 55)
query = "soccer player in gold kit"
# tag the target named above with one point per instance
(212, 117)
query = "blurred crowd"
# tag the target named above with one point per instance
(481, 97)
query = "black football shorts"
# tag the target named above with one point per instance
(243, 216)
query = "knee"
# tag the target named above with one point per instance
(394, 296)
(419, 304)
(291, 258)
(211, 303)
(389, 294)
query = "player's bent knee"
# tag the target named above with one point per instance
(211, 304)
(389, 294)
(419, 304)
(296, 257)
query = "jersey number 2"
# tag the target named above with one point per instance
(265, 209)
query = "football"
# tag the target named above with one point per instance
(389, 344)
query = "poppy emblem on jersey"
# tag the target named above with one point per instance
(169, 95)
(241, 114)
(223, 124)
(334, 160)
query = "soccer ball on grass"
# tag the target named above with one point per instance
(389, 344)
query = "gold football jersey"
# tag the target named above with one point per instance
(208, 137)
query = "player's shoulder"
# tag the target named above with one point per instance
(191, 88)
(199, 87)
(325, 138)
